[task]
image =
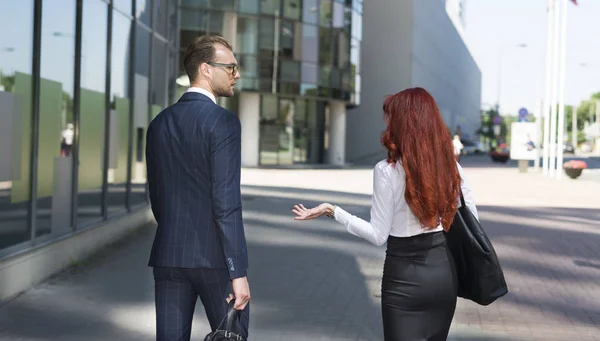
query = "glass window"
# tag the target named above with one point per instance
(141, 113)
(123, 5)
(173, 76)
(355, 56)
(325, 13)
(194, 21)
(341, 47)
(345, 80)
(308, 89)
(92, 113)
(309, 73)
(248, 6)
(291, 9)
(348, 20)
(249, 72)
(338, 15)
(325, 46)
(269, 6)
(119, 122)
(356, 25)
(194, 4)
(335, 78)
(357, 5)
(289, 71)
(159, 78)
(300, 132)
(266, 38)
(15, 120)
(162, 15)
(269, 130)
(310, 11)
(143, 11)
(315, 131)
(216, 23)
(223, 5)
(56, 130)
(310, 43)
(289, 88)
(247, 39)
(287, 111)
(266, 68)
(287, 39)
(173, 22)
(325, 76)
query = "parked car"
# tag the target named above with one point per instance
(568, 148)
(472, 147)
(500, 153)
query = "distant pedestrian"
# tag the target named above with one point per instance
(66, 142)
(458, 147)
(416, 193)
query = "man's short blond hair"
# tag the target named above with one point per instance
(201, 50)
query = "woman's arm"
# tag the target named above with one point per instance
(467, 193)
(382, 212)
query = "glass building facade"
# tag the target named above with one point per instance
(79, 82)
(299, 63)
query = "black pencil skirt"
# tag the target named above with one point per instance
(419, 288)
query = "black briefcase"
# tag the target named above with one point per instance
(228, 328)
(480, 276)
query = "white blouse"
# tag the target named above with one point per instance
(390, 213)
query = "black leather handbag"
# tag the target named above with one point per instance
(480, 276)
(228, 328)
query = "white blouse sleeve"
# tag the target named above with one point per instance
(382, 211)
(467, 194)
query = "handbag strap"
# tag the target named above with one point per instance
(462, 199)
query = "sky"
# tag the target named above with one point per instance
(496, 27)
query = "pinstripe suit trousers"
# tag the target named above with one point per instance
(176, 293)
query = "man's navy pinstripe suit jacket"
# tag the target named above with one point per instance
(193, 156)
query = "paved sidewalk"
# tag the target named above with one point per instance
(314, 281)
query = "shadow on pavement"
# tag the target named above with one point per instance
(301, 289)
(550, 258)
(312, 279)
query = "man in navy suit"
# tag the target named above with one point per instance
(193, 157)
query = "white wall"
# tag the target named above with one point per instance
(249, 113)
(337, 133)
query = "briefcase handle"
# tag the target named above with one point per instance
(232, 316)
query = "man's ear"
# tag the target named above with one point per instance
(205, 70)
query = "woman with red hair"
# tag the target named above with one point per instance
(416, 193)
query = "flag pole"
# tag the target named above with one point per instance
(562, 81)
(548, 85)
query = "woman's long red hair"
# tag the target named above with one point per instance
(417, 136)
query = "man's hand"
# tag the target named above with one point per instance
(241, 291)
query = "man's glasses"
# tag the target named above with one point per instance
(232, 66)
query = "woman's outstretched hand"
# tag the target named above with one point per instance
(303, 213)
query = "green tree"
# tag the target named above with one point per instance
(8, 82)
(68, 107)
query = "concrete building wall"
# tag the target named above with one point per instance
(410, 43)
(442, 64)
(385, 69)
